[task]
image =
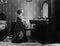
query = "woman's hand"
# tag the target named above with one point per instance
(21, 35)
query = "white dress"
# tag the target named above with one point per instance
(25, 21)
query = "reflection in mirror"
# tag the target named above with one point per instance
(45, 10)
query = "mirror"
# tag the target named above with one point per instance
(45, 10)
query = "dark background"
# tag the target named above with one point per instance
(58, 19)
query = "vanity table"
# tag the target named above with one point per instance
(32, 24)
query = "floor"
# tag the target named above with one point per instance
(27, 44)
(20, 44)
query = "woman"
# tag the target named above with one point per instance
(19, 30)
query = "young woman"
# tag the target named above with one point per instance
(19, 30)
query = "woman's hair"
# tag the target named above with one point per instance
(19, 11)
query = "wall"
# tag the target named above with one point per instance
(31, 9)
(11, 8)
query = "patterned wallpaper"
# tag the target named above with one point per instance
(31, 9)
(9, 9)
(12, 6)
